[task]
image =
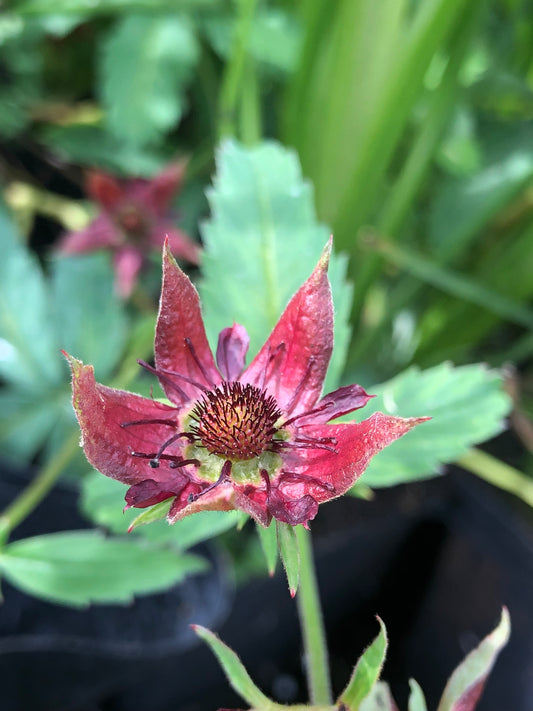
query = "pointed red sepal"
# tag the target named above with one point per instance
(294, 360)
(102, 413)
(355, 445)
(104, 189)
(181, 344)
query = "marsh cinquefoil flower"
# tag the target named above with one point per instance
(134, 218)
(255, 438)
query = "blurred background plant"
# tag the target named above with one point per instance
(403, 127)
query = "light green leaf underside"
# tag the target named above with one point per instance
(379, 699)
(290, 554)
(82, 567)
(475, 668)
(269, 545)
(417, 701)
(262, 242)
(467, 406)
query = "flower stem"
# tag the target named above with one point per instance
(498, 473)
(312, 624)
(35, 492)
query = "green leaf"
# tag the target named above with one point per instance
(90, 320)
(467, 406)
(366, 672)
(94, 146)
(151, 514)
(27, 421)
(262, 242)
(147, 62)
(463, 207)
(467, 681)
(235, 671)
(274, 41)
(82, 567)
(103, 7)
(290, 555)
(269, 545)
(21, 73)
(379, 699)
(29, 355)
(417, 701)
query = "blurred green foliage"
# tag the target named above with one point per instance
(402, 127)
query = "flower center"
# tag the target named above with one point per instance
(235, 421)
(131, 221)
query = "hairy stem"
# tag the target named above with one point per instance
(312, 624)
(498, 473)
(35, 492)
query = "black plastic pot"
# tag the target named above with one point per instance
(436, 560)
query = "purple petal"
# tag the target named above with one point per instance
(339, 402)
(291, 511)
(150, 492)
(232, 348)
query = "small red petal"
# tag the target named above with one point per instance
(101, 233)
(128, 261)
(163, 187)
(105, 190)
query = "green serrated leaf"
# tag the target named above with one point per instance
(467, 406)
(269, 545)
(235, 671)
(29, 355)
(465, 684)
(262, 242)
(82, 567)
(366, 672)
(102, 501)
(417, 701)
(146, 63)
(90, 321)
(289, 553)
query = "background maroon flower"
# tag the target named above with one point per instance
(134, 218)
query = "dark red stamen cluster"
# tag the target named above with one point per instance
(235, 420)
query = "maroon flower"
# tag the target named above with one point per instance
(255, 438)
(134, 218)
